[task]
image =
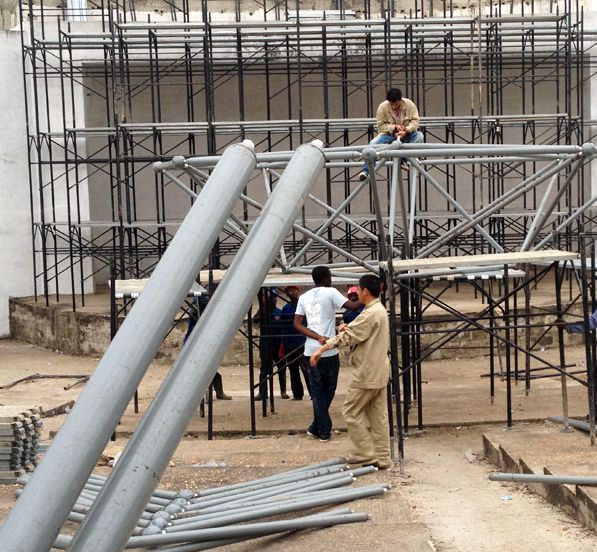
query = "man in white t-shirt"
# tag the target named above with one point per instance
(318, 306)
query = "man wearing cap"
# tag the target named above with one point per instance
(349, 315)
(365, 407)
(318, 306)
(294, 345)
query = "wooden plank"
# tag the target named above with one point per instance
(491, 259)
(132, 288)
(276, 278)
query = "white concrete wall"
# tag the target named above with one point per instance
(16, 266)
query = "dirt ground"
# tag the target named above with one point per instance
(442, 502)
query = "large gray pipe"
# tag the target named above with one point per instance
(540, 478)
(56, 483)
(578, 424)
(113, 516)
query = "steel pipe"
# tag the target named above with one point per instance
(115, 511)
(242, 531)
(267, 491)
(578, 424)
(206, 545)
(59, 478)
(549, 479)
(267, 510)
(332, 482)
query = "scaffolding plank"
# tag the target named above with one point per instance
(131, 289)
(513, 258)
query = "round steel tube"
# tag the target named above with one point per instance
(159, 493)
(578, 424)
(185, 517)
(269, 491)
(152, 507)
(488, 210)
(334, 497)
(287, 477)
(277, 499)
(179, 523)
(153, 500)
(265, 528)
(72, 456)
(121, 501)
(206, 545)
(333, 480)
(306, 472)
(543, 478)
(237, 532)
(419, 151)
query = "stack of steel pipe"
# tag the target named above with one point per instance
(188, 521)
(19, 441)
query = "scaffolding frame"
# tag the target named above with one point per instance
(304, 79)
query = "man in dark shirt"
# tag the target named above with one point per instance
(294, 345)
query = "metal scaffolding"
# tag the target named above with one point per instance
(109, 96)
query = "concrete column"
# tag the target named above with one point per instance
(16, 266)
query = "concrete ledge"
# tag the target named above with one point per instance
(578, 502)
(87, 331)
(58, 328)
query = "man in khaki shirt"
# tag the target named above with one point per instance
(365, 408)
(397, 119)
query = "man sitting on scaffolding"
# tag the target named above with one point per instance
(397, 119)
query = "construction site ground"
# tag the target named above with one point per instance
(443, 501)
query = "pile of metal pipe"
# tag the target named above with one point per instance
(189, 521)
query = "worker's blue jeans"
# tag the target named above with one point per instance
(415, 137)
(323, 380)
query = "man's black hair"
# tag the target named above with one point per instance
(372, 283)
(394, 95)
(319, 274)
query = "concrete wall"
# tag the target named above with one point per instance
(16, 270)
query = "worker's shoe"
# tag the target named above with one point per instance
(357, 462)
(284, 395)
(223, 397)
(363, 176)
(383, 464)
